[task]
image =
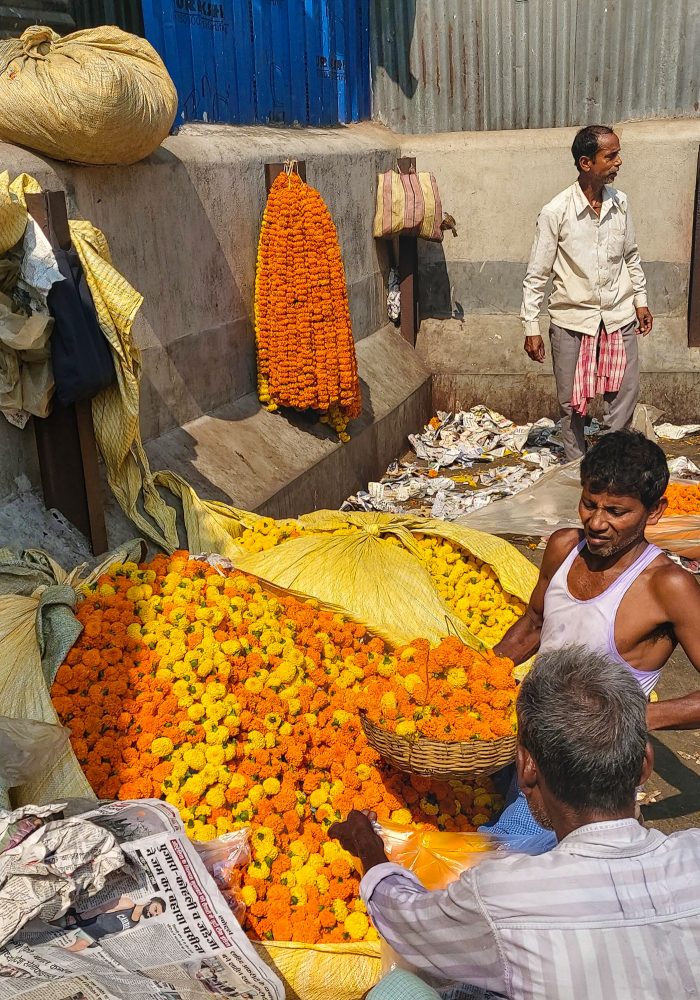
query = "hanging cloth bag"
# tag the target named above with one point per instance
(408, 204)
(80, 353)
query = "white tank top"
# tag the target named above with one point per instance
(568, 621)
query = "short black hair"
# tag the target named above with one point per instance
(582, 717)
(587, 142)
(627, 464)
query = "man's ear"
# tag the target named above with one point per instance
(657, 511)
(584, 164)
(648, 765)
(527, 771)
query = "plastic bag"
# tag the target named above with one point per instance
(552, 503)
(436, 857)
(549, 504)
(25, 747)
(96, 96)
(224, 858)
(382, 584)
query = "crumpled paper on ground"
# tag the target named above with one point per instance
(674, 432)
(43, 873)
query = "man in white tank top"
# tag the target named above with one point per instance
(607, 588)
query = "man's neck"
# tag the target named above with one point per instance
(593, 190)
(627, 555)
(565, 820)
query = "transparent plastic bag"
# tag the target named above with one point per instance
(25, 747)
(435, 857)
(224, 859)
(549, 504)
(552, 503)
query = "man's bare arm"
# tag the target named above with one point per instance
(522, 639)
(680, 596)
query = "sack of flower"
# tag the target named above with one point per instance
(239, 705)
(405, 576)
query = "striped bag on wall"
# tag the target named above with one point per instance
(408, 204)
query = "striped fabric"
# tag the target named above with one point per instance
(408, 204)
(612, 911)
(600, 367)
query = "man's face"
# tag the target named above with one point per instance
(153, 910)
(611, 522)
(606, 162)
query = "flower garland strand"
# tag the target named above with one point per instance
(241, 708)
(305, 349)
(683, 498)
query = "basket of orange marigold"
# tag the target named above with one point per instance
(446, 713)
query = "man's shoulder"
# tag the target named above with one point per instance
(559, 202)
(671, 583)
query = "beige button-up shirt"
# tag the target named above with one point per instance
(594, 260)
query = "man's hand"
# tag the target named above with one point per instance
(645, 320)
(357, 836)
(534, 348)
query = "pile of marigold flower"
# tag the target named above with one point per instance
(449, 693)
(240, 708)
(306, 352)
(468, 586)
(683, 498)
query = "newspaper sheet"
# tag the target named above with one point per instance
(158, 927)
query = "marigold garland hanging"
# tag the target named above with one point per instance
(306, 353)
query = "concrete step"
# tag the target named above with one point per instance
(287, 464)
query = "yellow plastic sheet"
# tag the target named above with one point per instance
(324, 971)
(383, 584)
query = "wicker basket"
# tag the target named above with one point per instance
(437, 759)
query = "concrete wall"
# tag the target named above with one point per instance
(494, 184)
(183, 227)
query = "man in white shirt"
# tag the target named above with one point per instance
(612, 911)
(585, 240)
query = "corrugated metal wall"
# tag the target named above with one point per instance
(265, 61)
(451, 65)
(126, 14)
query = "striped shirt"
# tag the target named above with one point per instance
(612, 911)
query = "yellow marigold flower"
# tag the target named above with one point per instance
(256, 739)
(322, 884)
(298, 849)
(363, 772)
(340, 909)
(356, 926)
(306, 875)
(215, 755)
(479, 819)
(411, 682)
(195, 758)
(457, 677)
(237, 782)
(162, 746)
(215, 797)
(289, 879)
(256, 794)
(429, 808)
(207, 831)
(254, 685)
(196, 712)
(298, 896)
(371, 935)
(318, 797)
(249, 895)
(259, 870)
(402, 817)
(405, 728)
(271, 786)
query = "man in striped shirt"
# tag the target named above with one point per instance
(612, 911)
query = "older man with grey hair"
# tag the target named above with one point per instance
(612, 911)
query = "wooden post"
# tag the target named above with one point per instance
(408, 273)
(66, 446)
(694, 287)
(273, 170)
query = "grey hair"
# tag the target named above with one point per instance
(582, 717)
